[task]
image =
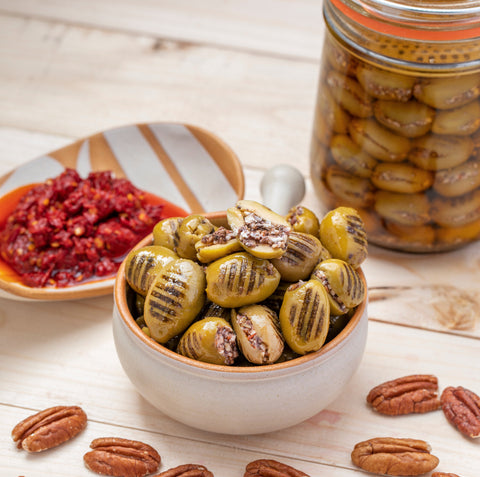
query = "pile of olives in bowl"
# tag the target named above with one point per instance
(259, 289)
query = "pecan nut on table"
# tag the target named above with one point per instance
(49, 428)
(119, 457)
(187, 470)
(417, 393)
(271, 468)
(394, 456)
(462, 409)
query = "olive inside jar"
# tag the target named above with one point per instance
(397, 120)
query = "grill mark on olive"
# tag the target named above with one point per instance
(167, 295)
(250, 275)
(320, 321)
(345, 278)
(259, 277)
(359, 239)
(230, 276)
(298, 250)
(310, 325)
(140, 275)
(297, 324)
(145, 264)
(133, 270)
(307, 327)
(351, 282)
(356, 232)
(164, 303)
(172, 290)
(291, 257)
(190, 345)
(358, 287)
(302, 322)
(137, 273)
(292, 316)
(293, 254)
(354, 223)
(161, 311)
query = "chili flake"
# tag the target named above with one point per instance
(68, 229)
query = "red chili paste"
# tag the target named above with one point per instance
(70, 229)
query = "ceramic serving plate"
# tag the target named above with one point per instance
(190, 168)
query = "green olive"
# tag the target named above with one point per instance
(303, 220)
(262, 232)
(240, 279)
(193, 228)
(304, 316)
(343, 283)
(258, 333)
(165, 232)
(383, 84)
(174, 299)
(343, 234)
(216, 245)
(143, 264)
(211, 340)
(302, 254)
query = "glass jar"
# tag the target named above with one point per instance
(397, 121)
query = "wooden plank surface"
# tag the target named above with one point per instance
(75, 81)
(51, 369)
(68, 458)
(277, 27)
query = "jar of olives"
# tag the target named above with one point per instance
(397, 121)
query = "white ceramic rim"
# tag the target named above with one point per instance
(120, 288)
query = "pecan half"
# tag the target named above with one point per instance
(410, 394)
(49, 428)
(462, 409)
(444, 474)
(121, 457)
(271, 468)
(394, 456)
(187, 470)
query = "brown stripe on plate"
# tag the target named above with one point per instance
(199, 170)
(68, 155)
(142, 165)
(102, 157)
(169, 165)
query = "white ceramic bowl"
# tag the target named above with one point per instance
(235, 400)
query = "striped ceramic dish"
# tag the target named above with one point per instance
(186, 165)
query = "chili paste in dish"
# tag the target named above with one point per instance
(68, 229)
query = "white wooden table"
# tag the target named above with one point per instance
(246, 70)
